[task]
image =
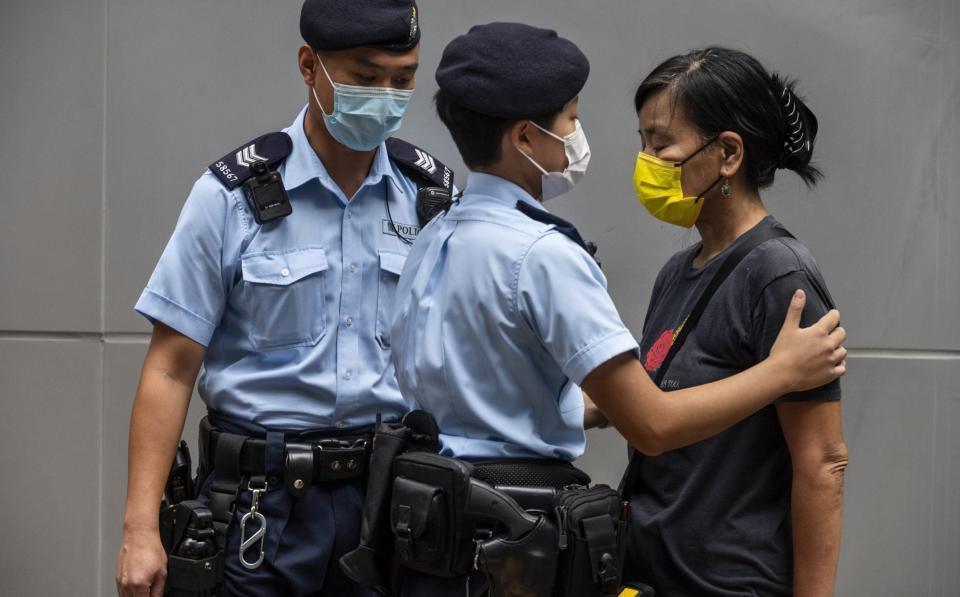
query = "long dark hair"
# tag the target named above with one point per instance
(720, 89)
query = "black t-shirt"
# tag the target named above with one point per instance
(714, 518)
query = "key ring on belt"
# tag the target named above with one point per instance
(259, 536)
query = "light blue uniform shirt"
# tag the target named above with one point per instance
(294, 313)
(498, 318)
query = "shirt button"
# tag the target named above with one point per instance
(349, 214)
(348, 374)
(284, 272)
(341, 425)
(348, 321)
(353, 268)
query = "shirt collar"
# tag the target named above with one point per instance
(303, 165)
(499, 189)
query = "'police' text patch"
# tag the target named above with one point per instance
(407, 231)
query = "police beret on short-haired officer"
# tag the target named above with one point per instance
(329, 25)
(511, 70)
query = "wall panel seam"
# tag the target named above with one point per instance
(103, 297)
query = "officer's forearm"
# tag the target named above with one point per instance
(159, 412)
(592, 415)
(654, 422)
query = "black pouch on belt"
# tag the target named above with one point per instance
(592, 536)
(427, 514)
(370, 564)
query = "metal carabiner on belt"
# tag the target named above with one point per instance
(258, 537)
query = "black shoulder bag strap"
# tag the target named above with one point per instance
(755, 238)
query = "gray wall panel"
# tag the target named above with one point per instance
(187, 82)
(49, 456)
(902, 500)
(947, 149)
(51, 116)
(606, 456)
(944, 566)
(122, 362)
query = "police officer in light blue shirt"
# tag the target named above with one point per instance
(278, 279)
(501, 312)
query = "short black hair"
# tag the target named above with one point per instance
(721, 89)
(477, 135)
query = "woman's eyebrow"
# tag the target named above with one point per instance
(652, 130)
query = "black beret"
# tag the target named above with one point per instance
(511, 70)
(329, 25)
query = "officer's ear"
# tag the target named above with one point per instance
(518, 135)
(307, 62)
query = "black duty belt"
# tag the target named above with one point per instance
(534, 483)
(332, 459)
(529, 472)
(309, 458)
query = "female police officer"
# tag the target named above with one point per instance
(755, 510)
(287, 315)
(501, 313)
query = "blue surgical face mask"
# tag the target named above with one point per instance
(363, 117)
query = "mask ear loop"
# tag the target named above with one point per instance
(691, 156)
(552, 134)
(702, 147)
(332, 85)
(703, 194)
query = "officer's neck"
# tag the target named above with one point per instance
(346, 167)
(512, 171)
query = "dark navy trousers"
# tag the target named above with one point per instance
(420, 585)
(305, 535)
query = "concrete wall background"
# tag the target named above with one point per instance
(111, 109)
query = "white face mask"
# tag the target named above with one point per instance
(578, 157)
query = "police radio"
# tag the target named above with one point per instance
(431, 201)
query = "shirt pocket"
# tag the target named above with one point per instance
(391, 266)
(286, 297)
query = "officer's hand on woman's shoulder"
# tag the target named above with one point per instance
(813, 356)
(141, 565)
(654, 421)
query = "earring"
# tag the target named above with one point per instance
(726, 190)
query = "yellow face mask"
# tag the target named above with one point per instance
(657, 184)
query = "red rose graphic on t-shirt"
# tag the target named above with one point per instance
(659, 351)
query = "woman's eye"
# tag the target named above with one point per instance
(401, 82)
(366, 79)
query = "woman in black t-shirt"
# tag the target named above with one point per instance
(755, 510)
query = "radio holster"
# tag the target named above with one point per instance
(194, 558)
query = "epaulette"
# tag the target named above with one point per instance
(234, 168)
(424, 169)
(562, 226)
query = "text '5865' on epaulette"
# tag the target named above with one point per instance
(235, 168)
(424, 169)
